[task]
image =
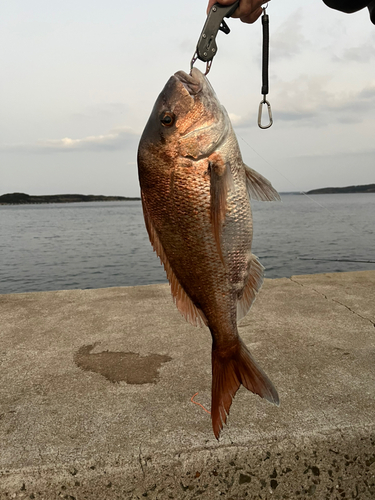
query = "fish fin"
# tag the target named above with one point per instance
(252, 287)
(184, 304)
(193, 314)
(221, 181)
(258, 187)
(228, 373)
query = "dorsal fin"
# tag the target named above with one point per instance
(221, 181)
(252, 287)
(258, 187)
(191, 313)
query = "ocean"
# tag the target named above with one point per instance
(104, 244)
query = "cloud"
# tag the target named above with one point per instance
(341, 168)
(235, 119)
(368, 152)
(356, 105)
(362, 53)
(357, 54)
(103, 110)
(116, 139)
(306, 102)
(288, 40)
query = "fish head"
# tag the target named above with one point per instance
(187, 119)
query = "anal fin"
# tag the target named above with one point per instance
(252, 287)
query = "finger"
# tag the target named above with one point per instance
(245, 8)
(252, 17)
(221, 2)
(210, 4)
(249, 9)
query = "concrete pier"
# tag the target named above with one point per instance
(95, 389)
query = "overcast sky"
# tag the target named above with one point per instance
(79, 79)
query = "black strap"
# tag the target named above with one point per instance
(265, 53)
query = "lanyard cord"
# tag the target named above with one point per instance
(265, 60)
(265, 52)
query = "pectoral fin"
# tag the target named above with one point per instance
(258, 187)
(221, 181)
(191, 313)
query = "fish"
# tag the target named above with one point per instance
(195, 192)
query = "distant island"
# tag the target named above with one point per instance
(26, 199)
(367, 188)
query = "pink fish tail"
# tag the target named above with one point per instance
(228, 373)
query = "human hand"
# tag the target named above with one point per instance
(248, 10)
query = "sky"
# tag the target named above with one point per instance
(79, 80)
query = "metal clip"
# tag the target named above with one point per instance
(206, 46)
(260, 113)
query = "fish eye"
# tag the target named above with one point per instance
(167, 119)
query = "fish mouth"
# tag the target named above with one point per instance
(193, 83)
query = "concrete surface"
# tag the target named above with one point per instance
(96, 386)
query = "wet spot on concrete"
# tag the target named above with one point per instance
(127, 367)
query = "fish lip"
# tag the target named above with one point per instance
(193, 83)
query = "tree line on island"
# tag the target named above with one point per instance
(367, 188)
(24, 199)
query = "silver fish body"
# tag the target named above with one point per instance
(196, 200)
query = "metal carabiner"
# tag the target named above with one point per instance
(260, 113)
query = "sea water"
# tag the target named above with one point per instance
(105, 244)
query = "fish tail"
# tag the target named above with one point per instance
(228, 373)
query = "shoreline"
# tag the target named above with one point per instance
(360, 189)
(26, 199)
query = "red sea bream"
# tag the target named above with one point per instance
(196, 194)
